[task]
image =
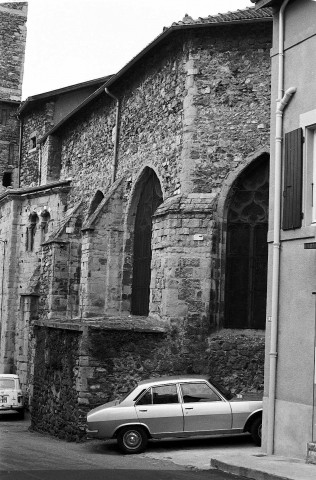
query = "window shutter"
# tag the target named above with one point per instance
(293, 171)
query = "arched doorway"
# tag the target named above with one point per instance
(149, 200)
(247, 249)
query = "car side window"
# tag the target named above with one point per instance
(165, 394)
(198, 392)
(146, 399)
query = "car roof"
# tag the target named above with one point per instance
(173, 379)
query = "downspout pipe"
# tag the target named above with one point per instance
(20, 153)
(116, 134)
(282, 102)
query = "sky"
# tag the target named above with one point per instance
(72, 41)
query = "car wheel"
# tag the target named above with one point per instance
(132, 439)
(256, 430)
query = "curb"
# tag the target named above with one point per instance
(245, 471)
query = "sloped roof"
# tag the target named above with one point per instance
(249, 13)
(30, 101)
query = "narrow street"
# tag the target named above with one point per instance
(30, 455)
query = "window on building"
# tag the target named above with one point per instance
(45, 218)
(293, 180)
(30, 231)
(33, 142)
(4, 114)
(7, 179)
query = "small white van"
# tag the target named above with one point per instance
(11, 397)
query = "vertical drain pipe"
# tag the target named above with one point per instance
(282, 102)
(116, 135)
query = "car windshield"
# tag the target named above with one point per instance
(224, 391)
(7, 383)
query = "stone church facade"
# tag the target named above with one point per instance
(136, 228)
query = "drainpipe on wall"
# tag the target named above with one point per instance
(116, 135)
(281, 105)
(20, 153)
(4, 242)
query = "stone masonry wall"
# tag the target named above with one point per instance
(150, 130)
(35, 125)
(9, 144)
(22, 265)
(13, 18)
(232, 100)
(79, 368)
(55, 403)
(236, 359)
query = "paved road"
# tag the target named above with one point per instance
(32, 456)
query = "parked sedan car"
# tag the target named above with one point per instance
(11, 397)
(178, 407)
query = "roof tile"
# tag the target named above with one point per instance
(249, 13)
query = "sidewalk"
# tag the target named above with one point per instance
(263, 467)
(235, 455)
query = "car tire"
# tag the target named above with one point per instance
(256, 430)
(132, 440)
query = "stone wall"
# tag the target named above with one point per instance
(55, 403)
(232, 100)
(20, 274)
(13, 18)
(80, 366)
(236, 359)
(35, 125)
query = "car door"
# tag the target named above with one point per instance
(204, 410)
(160, 409)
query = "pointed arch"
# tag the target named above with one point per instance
(239, 296)
(95, 202)
(146, 197)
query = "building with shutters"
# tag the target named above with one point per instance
(137, 229)
(290, 390)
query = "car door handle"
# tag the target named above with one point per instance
(142, 410)
(189, 408)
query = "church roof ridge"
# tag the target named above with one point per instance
(249, 13)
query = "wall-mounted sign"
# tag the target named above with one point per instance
(310, 246)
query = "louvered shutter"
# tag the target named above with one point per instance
(293, 170)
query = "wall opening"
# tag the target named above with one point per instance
(7, 179)
(31, 231)
(247, 248)
(97, 199)
(150, 197)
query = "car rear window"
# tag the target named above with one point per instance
(7, 383)
(224, 391)
(198, 392)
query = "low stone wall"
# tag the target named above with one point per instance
(236, 359)
(54, 407)
(80, 366)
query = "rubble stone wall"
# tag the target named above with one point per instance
(13, 18)
(232, 100)
(55, 402)
(76, 369)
